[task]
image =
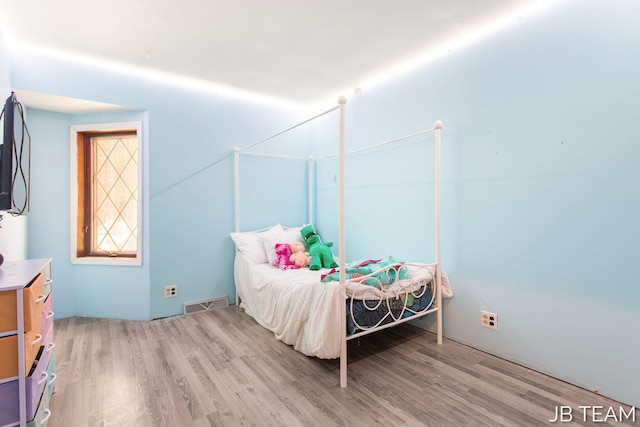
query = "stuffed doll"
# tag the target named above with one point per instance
(299, 256)
(321, 256)
(282, 259)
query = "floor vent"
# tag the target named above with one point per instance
(206, 305)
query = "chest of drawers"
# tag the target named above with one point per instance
(27, 371)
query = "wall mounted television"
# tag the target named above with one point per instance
(15, 158)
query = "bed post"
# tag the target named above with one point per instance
(342, 101)
(310, 190)
(236, 167)
(438, 130)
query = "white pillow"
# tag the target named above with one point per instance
(250, 243)
(285, 236)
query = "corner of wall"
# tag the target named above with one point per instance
(5, 76)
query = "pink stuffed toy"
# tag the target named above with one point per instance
(283, 257)
(299, 256)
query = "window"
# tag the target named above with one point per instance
(106, 201)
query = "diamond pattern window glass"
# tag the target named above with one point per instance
(114, 188)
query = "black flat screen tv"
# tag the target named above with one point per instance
(6, 150)
(15, 158)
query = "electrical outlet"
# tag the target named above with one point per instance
(170, 291)
(489, 320)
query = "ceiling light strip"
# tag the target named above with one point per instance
(468, 38)
(158, 76)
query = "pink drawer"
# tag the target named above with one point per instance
(47, 348)
(47, 316)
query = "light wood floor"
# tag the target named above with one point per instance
(221, 368)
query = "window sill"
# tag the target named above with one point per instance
(115, 261)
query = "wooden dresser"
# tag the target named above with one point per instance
(27, 378)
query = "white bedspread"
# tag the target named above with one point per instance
(297, 307)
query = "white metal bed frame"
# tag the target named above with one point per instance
(436, 306)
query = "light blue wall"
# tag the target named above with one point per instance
(98, 291)
(540, 190)
(188, 190)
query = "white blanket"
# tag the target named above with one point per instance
(297, 307)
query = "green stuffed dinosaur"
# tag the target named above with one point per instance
(321, 256)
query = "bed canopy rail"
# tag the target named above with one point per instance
(342, 153)
(381, 144)
(282, 132)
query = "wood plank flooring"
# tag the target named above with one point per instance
(221, 368)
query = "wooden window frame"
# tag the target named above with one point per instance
(81, 186)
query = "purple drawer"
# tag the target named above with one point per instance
(35, 384)
(9, 409)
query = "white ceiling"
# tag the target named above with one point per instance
(293, 50)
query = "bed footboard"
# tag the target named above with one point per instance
(394, 294)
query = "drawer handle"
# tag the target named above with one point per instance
(47, 414)
(52, 380)
(49, 315)
(50, 347)
(37, 340)
(41, 298)
(44, 378)
(48, 281)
